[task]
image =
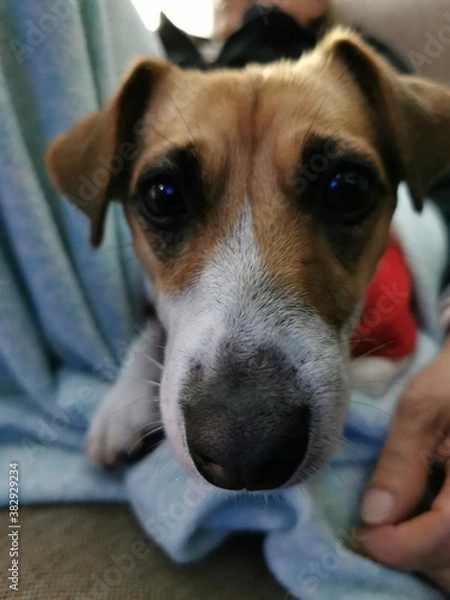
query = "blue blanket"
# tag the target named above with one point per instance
(67, 315)
(65, 311)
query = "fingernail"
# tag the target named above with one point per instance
(377, 507)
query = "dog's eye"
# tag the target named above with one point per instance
(349, 193)
(161, 199)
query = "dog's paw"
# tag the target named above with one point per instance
(121, 426)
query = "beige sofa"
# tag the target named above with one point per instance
(418, 29)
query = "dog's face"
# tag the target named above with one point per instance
(260, 202)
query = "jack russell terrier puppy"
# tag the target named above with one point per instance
(260, 203)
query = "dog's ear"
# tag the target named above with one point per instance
(92, 162)
(411, 116)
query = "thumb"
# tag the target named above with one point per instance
(399, 481)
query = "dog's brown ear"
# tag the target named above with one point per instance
(92, 162)
(411, 116)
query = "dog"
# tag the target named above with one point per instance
(260, 203)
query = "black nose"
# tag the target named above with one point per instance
(247, 422)
(233, 457)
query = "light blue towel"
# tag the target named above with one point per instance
(65, 310)
(67, 315)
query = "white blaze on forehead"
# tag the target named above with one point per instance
(233, 271)
(234, 298)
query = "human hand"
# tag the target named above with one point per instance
(419, 438)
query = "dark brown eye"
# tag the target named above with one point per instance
(161, 200)
(350, 193)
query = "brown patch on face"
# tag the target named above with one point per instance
(296, 250)
(214, 116)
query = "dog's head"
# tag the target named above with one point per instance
(260, 202)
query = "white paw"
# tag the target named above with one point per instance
(121, 425)
(130, 409)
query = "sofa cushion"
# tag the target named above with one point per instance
(84, 552)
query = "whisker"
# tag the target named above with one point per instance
(349, 458)
(162, 136)
(372, 406)
(137, 401)
(159, 346)
(336, 474)
(372, 350)
(153, 360)
(139, 329)
(140, 440)
(358, 340)
(153, 446)
(184, 122)
(346, 441)
(155, 383)
(315, 117)
(157, 422)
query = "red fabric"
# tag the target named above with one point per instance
(388, 327)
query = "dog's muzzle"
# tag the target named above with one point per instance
(247, 422)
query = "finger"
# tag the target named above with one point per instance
(421, 544)
(399, 481)
(440, 577)
(417, 545)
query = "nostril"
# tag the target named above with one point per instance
(202, 459)
(214, 472)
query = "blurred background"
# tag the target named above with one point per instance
(196, 20)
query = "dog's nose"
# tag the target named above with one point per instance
(247, 421)
(251, 449)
